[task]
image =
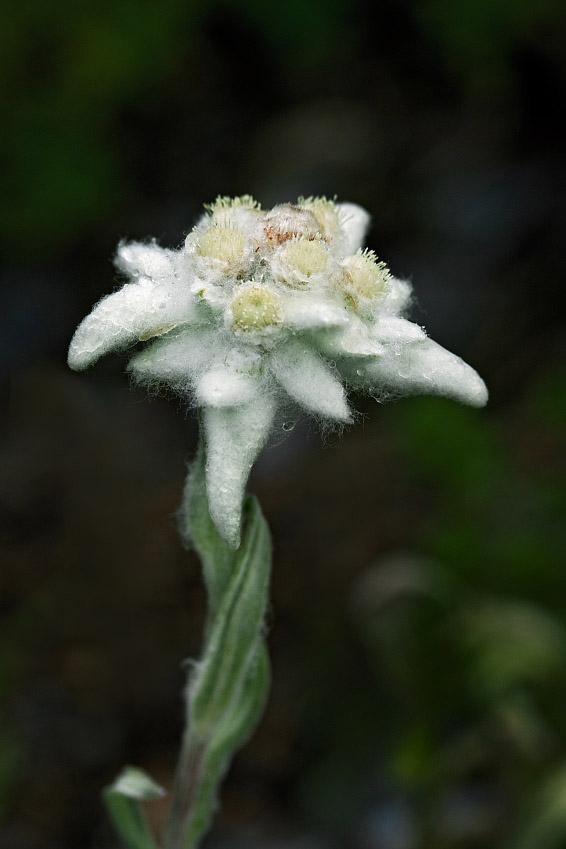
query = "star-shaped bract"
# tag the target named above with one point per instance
(259, 307)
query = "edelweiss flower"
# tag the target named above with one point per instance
(261, 306)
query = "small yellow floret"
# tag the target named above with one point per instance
(223, 203)
(255, 306)
(305, 256)
(226, 244)
(325, 212)
(367, 278)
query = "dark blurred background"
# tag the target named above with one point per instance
(418, 620)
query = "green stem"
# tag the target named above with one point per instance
(189, 775)
(227, 689)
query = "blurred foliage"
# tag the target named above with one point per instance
(72, 76)
(543, 821)
(306, 33)
(465, 642)
(66, 71)
(479, 39)
(502, 517)
(10, 755)
(69, 73)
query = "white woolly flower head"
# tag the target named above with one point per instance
(261, 308)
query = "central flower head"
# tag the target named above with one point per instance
(288, 221)
(247, 262)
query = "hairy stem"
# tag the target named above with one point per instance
(227, 689)
(185, 791)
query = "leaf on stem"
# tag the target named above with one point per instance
(233, 639)
(123, 798)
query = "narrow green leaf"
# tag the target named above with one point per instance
(123, 798)
(198, 529)
(241, 718)
(232, 641)
(230, 734)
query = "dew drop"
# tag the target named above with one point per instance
(288, 426)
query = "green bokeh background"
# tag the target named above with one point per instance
(418, 622)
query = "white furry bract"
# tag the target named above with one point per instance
(258, 307)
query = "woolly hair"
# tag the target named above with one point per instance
(259, 310)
